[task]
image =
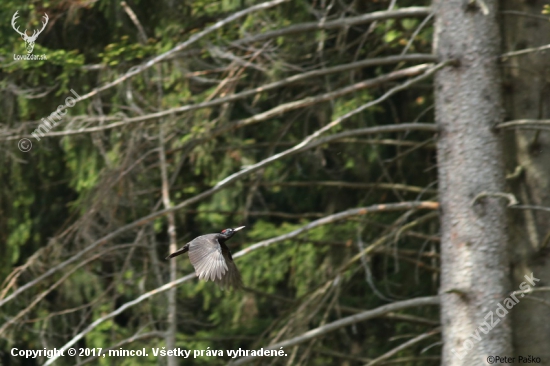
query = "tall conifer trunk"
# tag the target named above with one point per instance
(470, 161)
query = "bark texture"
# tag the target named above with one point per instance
(526, 95)
(474, 276)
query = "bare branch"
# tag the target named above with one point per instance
(401, 347)
(414, 11)
(410, 318)
(507, 55)
(141, 32)
(284, 215)
(307, 142)
(366, 315)
(340, 216)
(527, 124)
(531, 207)
(524, 14)
(509, 196)
(415, 33)
(134, 338)
(351, 185)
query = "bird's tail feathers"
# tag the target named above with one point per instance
(176, 253)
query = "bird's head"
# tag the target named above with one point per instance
(227, 233)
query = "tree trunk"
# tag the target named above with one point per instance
(474, 275)
(526, 97)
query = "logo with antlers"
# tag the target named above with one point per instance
(29, 41)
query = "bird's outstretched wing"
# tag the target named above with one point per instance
(207, 258)
(233, 277)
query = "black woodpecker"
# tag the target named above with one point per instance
(212, 259)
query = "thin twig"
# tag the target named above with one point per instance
(141, 32)
(531, 207)
(524, 124)
(401, 347)
(524, 14)
(340, 216)
(132, 339)
(351, 185)
(507, 55)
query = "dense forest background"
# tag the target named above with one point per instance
(310, 122)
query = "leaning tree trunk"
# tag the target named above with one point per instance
(474, 275)
(526, 95)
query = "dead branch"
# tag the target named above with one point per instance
(526, 124)
(141, 32)
(401, 347)
(507, 55)
(341, 216)
(414, 11)
(351, 185)
(134, 338)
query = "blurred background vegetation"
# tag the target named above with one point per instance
(74, 188)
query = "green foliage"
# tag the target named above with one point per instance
(125, 50)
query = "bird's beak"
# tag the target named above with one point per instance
(239, 228)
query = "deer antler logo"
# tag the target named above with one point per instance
(29, 41)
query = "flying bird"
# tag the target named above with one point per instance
(212, 259)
